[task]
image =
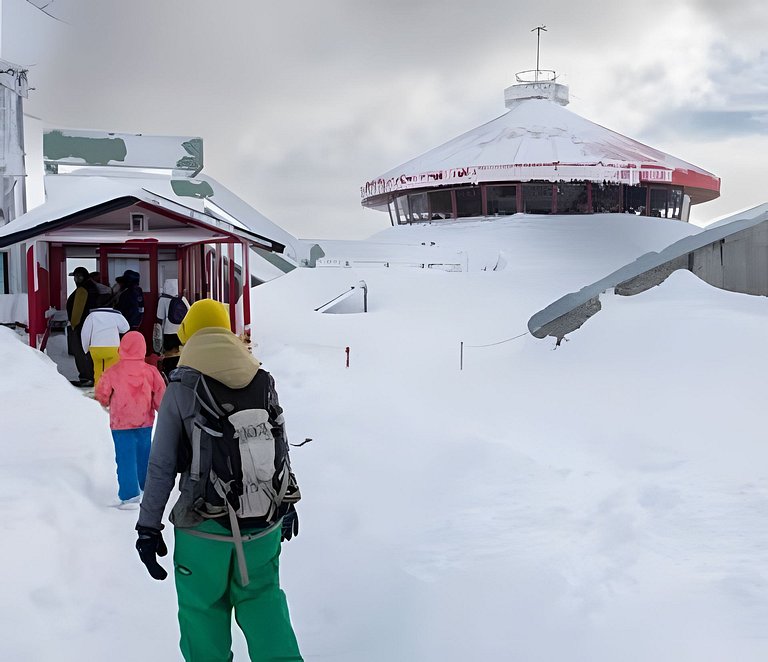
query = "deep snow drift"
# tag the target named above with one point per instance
(605, 501)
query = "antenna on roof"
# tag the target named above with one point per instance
(538, 30)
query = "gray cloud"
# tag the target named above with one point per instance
(300, 103)
(709, 125)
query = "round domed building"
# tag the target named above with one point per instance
(539, 158)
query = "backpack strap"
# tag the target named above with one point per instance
(283, 484)
(212, 406)
(237, 538)
(198, 427)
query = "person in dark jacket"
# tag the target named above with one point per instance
(130, 301)
(79, 304)
(105, 291)
(222, 564)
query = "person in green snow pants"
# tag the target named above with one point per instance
(208, 587)
(223, 563)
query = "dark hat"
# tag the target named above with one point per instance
(80, 271)
(129, 276)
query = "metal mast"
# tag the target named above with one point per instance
(538, 31)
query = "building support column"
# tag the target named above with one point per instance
(246, 288)
(232, 286)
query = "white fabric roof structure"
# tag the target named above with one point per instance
(539, 139)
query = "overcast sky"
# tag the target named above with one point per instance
(300, 102)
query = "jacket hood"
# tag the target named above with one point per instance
(133, 347)
(221, 355)
(171, 287)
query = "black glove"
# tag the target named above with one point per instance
(290, 524)
(150, 545)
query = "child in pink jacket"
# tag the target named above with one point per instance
(132, 390)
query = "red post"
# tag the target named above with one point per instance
(231, 295)
(56, 267)
(246, 289)
(347, 353)
(180, 270)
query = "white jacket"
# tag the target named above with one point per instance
(170, 289)
(102, 328)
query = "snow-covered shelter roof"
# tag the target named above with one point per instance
(539, 139)
(88, 193)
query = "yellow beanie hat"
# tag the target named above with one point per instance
(203, 314)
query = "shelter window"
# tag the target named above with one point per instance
(659, 202)
(666, 202)
(572, 198)
(502, 200)
(138, 223)
(392, 209)
(606, 198)
(440, 205)
(403, 210)
(419, 207)
(675, 202)
(537, 198)
(469, 202)
(634, 199)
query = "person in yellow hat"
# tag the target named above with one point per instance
(221, 427)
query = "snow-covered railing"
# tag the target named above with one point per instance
(14, 309)
(389, 264)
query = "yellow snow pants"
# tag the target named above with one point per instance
(103, 358)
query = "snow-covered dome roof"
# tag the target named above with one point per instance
(538, 139)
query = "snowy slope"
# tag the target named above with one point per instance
(605, 501)
(69, 577)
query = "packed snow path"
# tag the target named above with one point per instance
(605, 501)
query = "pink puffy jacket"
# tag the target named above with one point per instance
(131, 388)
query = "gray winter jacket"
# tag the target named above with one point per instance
(172, 452)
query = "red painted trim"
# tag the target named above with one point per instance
(56, 262)
(151, 298)
(38, 299)
(31, 297)
(232, 287)
(187, 278)
(201, 286)
(219, 274)
(180, 269)
(246, 287)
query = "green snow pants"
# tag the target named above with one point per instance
(209, 588)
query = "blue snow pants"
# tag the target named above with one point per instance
(132, 458)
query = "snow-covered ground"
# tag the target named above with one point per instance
(605, 501)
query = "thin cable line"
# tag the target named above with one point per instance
(500, 341)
